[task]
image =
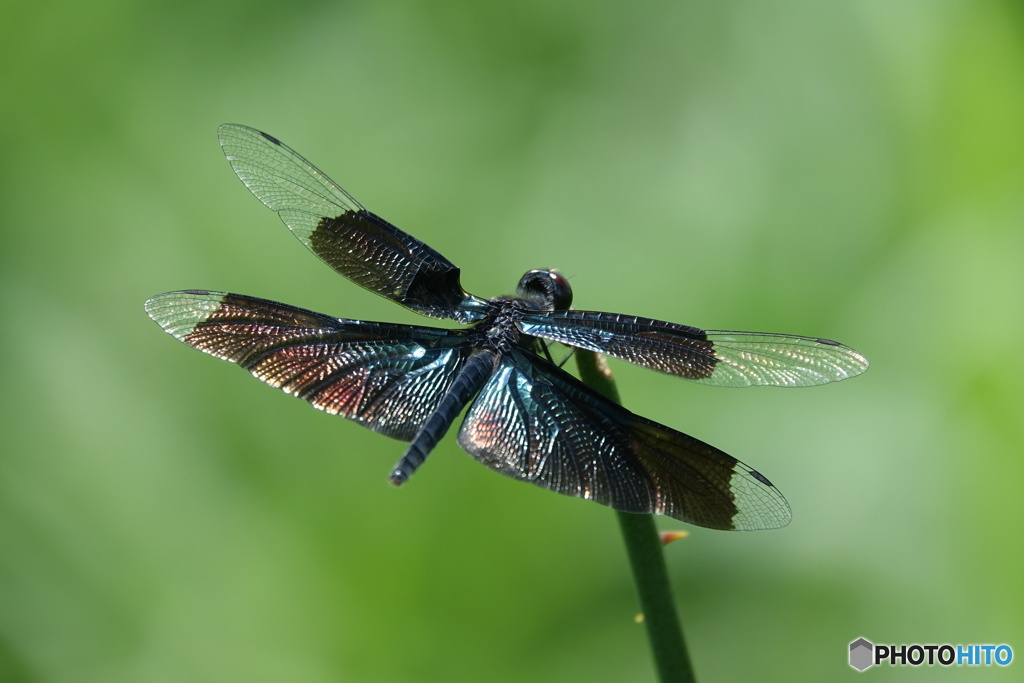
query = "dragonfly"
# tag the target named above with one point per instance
(526, 417)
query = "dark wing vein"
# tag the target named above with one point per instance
(715, 357)
(389, 378)
(356, 243)
(536, 423)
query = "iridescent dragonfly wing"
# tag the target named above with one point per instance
(716, 357)
(389, 378)
(536, 423)
(356, 243)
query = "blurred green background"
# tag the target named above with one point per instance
(848, 170)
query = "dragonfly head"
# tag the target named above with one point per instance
(548, 289)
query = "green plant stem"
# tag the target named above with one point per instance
(646, 557)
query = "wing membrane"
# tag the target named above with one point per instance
(536, 423)
(356, 243)
(715, 357)
(389, 378)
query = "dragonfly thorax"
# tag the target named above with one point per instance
(499, 329)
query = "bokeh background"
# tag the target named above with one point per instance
(850, 170)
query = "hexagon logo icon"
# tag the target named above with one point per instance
(861, 654)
